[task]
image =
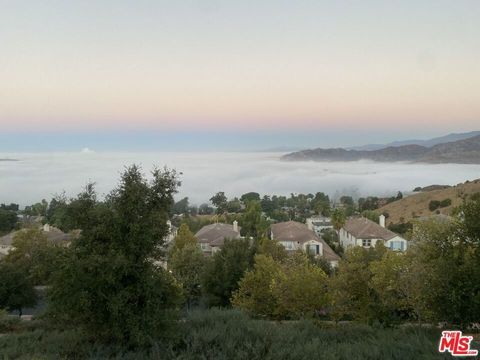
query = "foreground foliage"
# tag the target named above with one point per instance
(230, 334)
(109, 284)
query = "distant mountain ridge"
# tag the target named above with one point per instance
(426, 143)
(466, 151)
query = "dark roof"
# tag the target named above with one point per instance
(363, 228)
(215, 234)
(298, 232)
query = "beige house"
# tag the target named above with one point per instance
(297, 236)
(211, 237)
(53, 234)
(360, 231)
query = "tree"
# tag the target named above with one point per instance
(10, 207)
(109, 284)
(16, 289)
(253, 223)
(224, 271)
(8, 219)
(351, 292)
(35, 255)
(255, 288)
(301, 289)
(186, 261)
(251, 196)
(219, 200)
(206, 209)
(181, 206)
(289, 289)
(234, 206)
(272, 248)
(184, 237)
(388, 282)
(38, 209)
(321, 204)
(338, 220)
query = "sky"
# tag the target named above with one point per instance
(211, 74)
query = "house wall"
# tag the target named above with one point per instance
(313, 242)
(5, 249)
(397, 240)
(348, 240)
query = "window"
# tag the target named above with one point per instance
(366, 242)
(205, 247)
(396, 245)
(313, 249)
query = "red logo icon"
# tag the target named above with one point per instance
(456, 344)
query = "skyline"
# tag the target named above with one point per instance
(405, 69)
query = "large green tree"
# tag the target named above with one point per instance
(225, 269)
(253, 222)
(109, 284)
(186, 262)
(8, 219)
(16, 288)
(289, 289)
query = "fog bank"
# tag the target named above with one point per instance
(37, 176)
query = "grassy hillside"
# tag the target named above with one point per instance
(418, 204)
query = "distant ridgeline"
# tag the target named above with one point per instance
(466, 151)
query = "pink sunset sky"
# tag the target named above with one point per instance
(240, 65)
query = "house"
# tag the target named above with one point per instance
(53, 234)
(360, 231)
(319, 223)
(297, 236)
(211, 237)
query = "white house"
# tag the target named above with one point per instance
(360, 231)
(297, 236)
(319, 223)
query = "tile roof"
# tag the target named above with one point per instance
(215, 234)
(363, 228)
(55, 235)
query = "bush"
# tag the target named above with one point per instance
(435, 204)
(231, 334)
(8, 323)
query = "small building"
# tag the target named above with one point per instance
(211, 237)
(360, 231)
(296, 236)
(319, 224)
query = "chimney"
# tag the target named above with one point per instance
(235, 226)
(46, 227)
(309, 224)
(381, 220)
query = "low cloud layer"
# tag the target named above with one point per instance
(37, 176)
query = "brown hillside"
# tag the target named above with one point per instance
(416, 205)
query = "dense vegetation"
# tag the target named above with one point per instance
(230, 334)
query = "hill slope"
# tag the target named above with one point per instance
(426, 143)
(418, 204)
(466, 151)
